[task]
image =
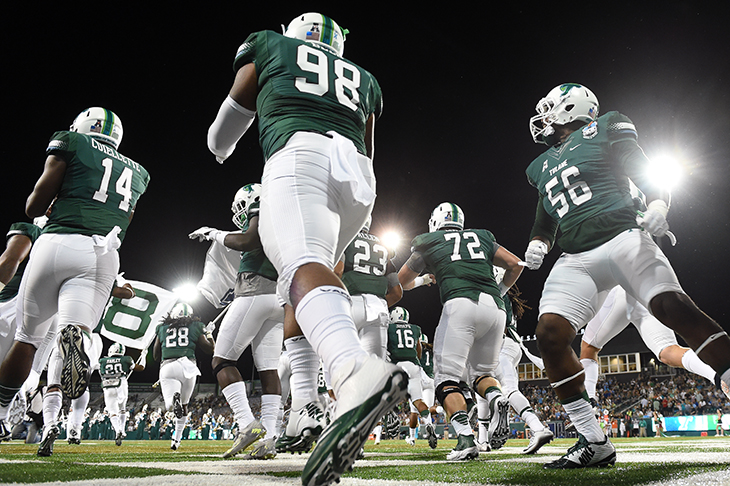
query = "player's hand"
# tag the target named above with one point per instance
(654, 219)
(209, 328)
(536, 251)
(203, 234)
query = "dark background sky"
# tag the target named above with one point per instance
(459, 86)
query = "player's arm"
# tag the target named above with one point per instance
(235, 115)
(17, 249)
(205, 343)
(511, 263)
(339, 269)
(395, 289)
(370, 136)
(250, 240)
(46, 187)
(125, 291)
(157, 349)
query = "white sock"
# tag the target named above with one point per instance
(123, 422)
(235, 394)
(325, 317)
(692, 363)
(78, 407)
(591, 376)
(460, 422)
(304, 364)
(180, 427)
(581, 414)
(269, 412)
(483, 415)
(378, 431)
(51, 407)
(521, 405)
(412, 432)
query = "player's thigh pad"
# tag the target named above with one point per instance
(267, 344)
(243, 322)
(609, 321)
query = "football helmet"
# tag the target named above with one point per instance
(242, 201)
(563, 104)
(181, 309)
(446, 215)
(423, 338)
(318, 29)
(368, 223)
(116, 349)
(101, 124)
(399, 314)
(40, 221)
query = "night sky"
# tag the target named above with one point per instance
(459, 87)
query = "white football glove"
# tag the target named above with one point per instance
(209, 328)
(536, 251)
(202, 234)
(654, 219)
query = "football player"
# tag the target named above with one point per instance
(74, 262)
(404, 349)
(583, 186)
(469, 334)
(114, 370)
(367, 270)
(317, 115)
(178, 337)
(255, 318)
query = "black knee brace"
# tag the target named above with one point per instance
(446, 388)
(221, 365)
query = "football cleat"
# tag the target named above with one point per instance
(74, 438)
(586, 454)
(304, 427)
(45, 449)
(118, 439)
(5, 433)
(364, 393)
(175, 444)
(76, 367)
(263, 449)
(392, 425)
(177, 406)
(498, 422)
(538, 440)
(411, 441)
(17, 409)
(433, 440)
(484, 447)
(465, 450)
(245, 437)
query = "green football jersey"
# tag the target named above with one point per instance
(180, 340)
(583, 186)
(427, 360)
(99, 190)
(31, 231)
(461, 260)
(255, 261)
(366, 264)
(113, 368)
(304, 88)
(402, 341)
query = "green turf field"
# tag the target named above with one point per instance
(640, 462)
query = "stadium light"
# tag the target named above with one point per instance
(391, 239)
(665, 171)
(186, 292)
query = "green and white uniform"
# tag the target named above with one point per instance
(469, 333)
(178, 369)
(583, 186)
(77, 251)
(368, 275)
(403, 340)
(114, 371)
(427, 382)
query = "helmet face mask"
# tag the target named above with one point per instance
(446, 215)
(318, 29)
(243, 200)
(101, 124)
(564, 104)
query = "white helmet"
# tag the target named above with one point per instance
(563, 104)
(423, 338)
(318, 29)
(243, 200)
(181, 309)
(116, 349)
(101, 124)
(40, 221)
(446, 215)
(399, 314)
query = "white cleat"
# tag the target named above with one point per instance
(538, 440)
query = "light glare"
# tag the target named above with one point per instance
(665, 172)
(186, 292)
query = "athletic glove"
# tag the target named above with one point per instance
(654, 219)
(209, 234)
(536, 251)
